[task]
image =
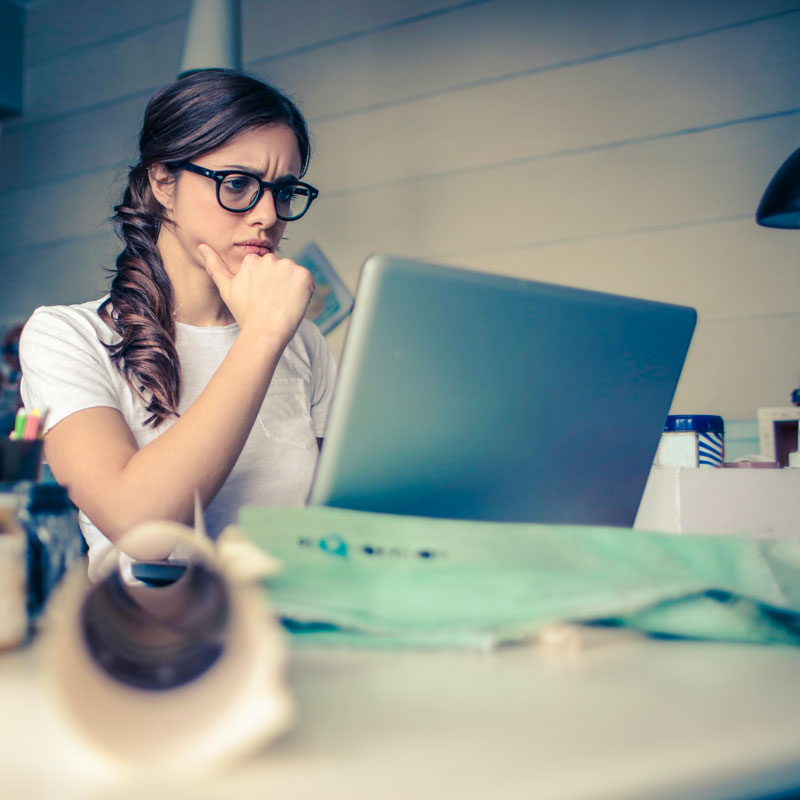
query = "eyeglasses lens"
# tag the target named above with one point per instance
(238, 192)
(290, 201)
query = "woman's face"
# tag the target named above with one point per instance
(190, 200)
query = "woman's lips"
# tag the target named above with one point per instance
(259, 248)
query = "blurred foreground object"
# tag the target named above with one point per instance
(13, 615)
(39, 534)
(54, 538)
(182, 670)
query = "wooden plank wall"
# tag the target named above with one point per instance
(621, 145)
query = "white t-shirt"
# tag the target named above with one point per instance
(66, 368)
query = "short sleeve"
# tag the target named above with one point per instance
(65, 367)
(323, 376)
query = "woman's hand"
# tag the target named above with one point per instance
(268, 293)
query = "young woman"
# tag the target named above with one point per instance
(198, 371)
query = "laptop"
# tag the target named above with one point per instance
(468, 395)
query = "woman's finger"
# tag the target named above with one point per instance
(217, 269)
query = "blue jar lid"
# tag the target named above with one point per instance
(694, 422)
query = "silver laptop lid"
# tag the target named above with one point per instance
(476, 396)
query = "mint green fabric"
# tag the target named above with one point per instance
(359, 578)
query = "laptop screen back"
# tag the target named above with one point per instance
(475, 396)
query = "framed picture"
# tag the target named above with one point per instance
(331, 301)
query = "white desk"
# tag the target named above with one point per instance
(627, 718)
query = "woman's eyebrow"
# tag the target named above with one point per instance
(242, 167)
(287, 177)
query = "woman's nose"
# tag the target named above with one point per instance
(263, 212)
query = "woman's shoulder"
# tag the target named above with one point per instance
(308, 354)
(308, 342)
(79, 319)
(312, 336)
(309, 333)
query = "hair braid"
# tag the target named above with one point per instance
(139, 305)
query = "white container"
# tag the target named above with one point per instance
(692, 440)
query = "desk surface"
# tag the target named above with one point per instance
(625, 717)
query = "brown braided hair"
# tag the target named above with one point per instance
(190, 117)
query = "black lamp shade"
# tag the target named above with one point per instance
(780, 205)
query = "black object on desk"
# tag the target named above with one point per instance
(55, 541)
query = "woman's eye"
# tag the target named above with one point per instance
(284, 194)
(235, 185)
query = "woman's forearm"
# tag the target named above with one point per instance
(118, 485)
(200, 449)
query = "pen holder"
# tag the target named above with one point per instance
(20, 459)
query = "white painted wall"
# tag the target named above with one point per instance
(620, 145)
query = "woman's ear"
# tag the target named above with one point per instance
(162, 183)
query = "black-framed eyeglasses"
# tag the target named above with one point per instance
(239, 191)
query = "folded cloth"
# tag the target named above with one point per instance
(352, 577)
